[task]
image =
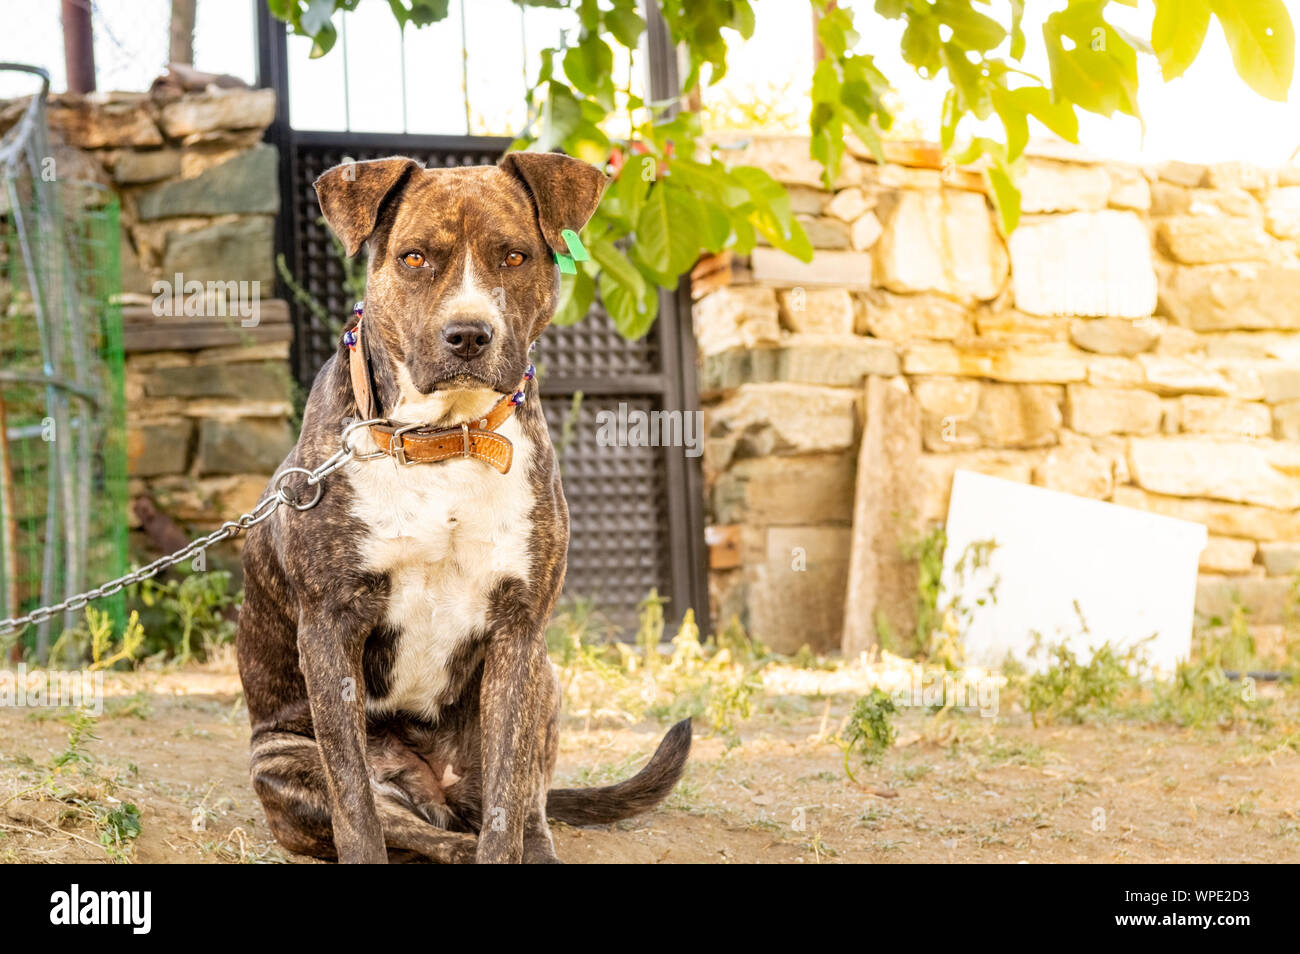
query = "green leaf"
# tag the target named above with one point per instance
(323, 41)
(1014, 119)
(1098, 69)
(868, 135)
(836, 33)
(697, 27)
(1262, 42)
(827, 146)
(1177, 34)
(654, 231)
(825, 125)
(590, 67)
(560, 118)
(951, 116)
(692, 230)
(715, 227)
(633, 316)
(921, 44)
(764, 191)
(425, 12)
(742, 19)
(625, 196)
(626, 25)
(978, 146)
(1006, 197)
(317, 17)
(770, 214)
(589, 15)
(576, 295)
(746, 237)
(970, 28)
(1017, 29)
(420, 12)
(614, 263)
(871, 139)
(970, 83)
(1057, 116)
(791, 239)
(710, 178)
(546, 72)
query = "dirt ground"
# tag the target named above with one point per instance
(964, 789)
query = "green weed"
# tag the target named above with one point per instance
(96, 642)
(1070, 689)
(192, 608)
(869, 732)
(118, 827)
(940, 629)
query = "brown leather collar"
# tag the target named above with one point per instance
(418, 443)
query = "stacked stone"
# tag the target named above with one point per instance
(1137, 340)
(206, 425)
(207, 428)
(198, 187)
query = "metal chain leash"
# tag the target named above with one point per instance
(265, 508)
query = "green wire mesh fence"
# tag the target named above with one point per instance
(62, 414)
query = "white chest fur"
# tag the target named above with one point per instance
(446, 534)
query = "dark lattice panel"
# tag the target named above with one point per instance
(618, 547)
(593, 348)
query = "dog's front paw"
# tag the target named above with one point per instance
(495, 848)
(542, 858)
(539, 848)
(464, 852)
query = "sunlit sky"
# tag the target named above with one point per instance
(1207, 115)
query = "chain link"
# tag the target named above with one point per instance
(265, 507)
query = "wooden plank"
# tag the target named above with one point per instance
(192, 338)
(272, 311)
(882, 582)
(142, 330)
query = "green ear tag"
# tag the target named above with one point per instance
(566, 264)
(576, 248)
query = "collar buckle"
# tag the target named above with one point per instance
(397, 444)
(464, 437)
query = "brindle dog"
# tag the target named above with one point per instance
(391, 642)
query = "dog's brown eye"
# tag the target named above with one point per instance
(413, 259)
(515, 259)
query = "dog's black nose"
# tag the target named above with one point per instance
(467, 339)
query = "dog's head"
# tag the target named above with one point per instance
(461, 278)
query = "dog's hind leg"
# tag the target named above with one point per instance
(289, 779)
(405, 830)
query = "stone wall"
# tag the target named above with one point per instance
(1136, 340)
(209, 392)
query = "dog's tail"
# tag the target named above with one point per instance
(644, 790)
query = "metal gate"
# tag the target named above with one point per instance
(636, 512)
(62, 411)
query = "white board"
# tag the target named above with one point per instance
(1132, 573)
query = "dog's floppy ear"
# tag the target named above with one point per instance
(350, 196)
(566, 191)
